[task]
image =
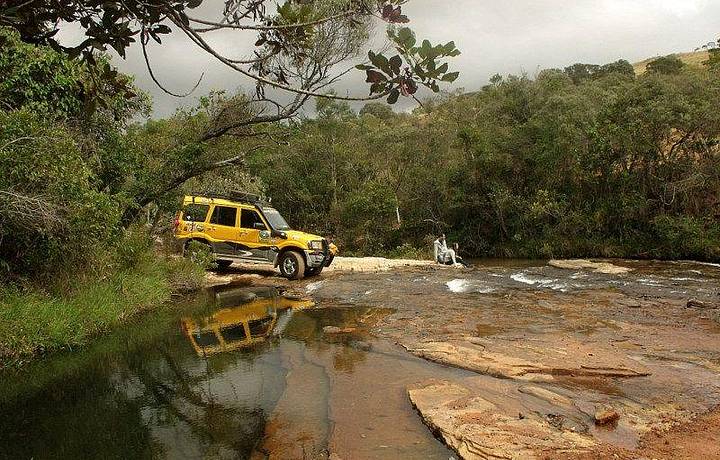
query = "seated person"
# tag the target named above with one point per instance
(446, 256)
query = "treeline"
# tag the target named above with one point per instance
(585, 161)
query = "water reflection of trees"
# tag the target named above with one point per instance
(180, 397)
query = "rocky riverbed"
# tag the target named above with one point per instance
(572, 358)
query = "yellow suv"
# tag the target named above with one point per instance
(245, 228)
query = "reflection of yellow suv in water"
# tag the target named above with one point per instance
(253, 317)
(243, 228)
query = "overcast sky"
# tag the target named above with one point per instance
(507, 36)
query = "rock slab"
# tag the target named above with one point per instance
(477, 429)
(582, 264)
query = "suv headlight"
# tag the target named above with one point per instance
(315, 245)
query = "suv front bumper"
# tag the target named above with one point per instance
(317, 259)
(324, 258)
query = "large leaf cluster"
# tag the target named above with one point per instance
(114, 23)
(413, 65)
(51, 214)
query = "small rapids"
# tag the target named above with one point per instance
(554, 284)
(463, 286)
(312, 287)
(644, 279)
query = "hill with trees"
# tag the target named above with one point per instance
(585, 161)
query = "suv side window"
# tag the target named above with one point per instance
(195, 212)
(248, 218)
(224, 215)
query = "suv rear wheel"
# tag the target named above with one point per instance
(292, 265)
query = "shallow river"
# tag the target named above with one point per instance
(318, 368)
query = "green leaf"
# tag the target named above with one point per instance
(395, 63)
(406, 37)
(381, 62)
(373, 76)
(393, 97)
(377, 88)
(450, 77)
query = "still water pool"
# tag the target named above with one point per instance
(235, 373)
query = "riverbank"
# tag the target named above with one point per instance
(35, 321)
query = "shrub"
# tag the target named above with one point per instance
(51, 217)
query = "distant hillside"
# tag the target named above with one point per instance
(694, 59)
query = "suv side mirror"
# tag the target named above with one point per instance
(259, 226)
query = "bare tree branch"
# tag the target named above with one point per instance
(220, 25)
(198, 40)
(143, 42)
(30, 212)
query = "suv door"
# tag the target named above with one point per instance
(223, 229)
(254, 236)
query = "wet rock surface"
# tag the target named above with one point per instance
(478, 429)
(582, 264)
(593, 359)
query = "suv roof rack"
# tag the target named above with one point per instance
(242, 197)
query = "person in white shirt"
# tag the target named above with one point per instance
(443, 254)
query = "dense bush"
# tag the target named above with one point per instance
(51, 215)
(590, 161)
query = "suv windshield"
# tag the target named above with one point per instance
(275, 219)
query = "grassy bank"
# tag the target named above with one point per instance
(36, 320)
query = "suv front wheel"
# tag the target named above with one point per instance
(313, 271)
(292, 265)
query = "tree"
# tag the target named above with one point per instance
(713, 62)
(615, 166)
(298, 46)
(42, 79)
(285, 40)
(378, 110)
(582, 72)
(329, 109)
(61, 156)
(51, 213)
(666, 65)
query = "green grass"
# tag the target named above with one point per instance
(33, 321)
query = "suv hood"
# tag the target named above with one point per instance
(305, 238)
